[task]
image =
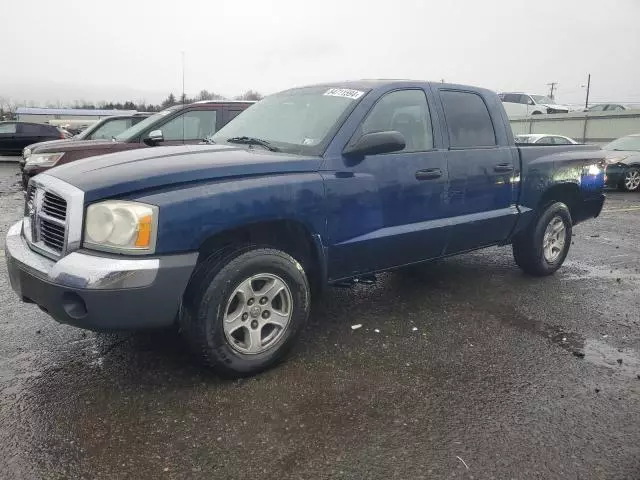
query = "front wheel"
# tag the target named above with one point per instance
(243, 312)
(631, 180)
(542, 248)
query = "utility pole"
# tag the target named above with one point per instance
(586, 102)
(552, 88)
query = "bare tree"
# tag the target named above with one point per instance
(7, 109)
(250, 95)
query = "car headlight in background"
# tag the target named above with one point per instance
(43, 159)
(123, 227)
(26, 153)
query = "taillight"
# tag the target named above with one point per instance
(62, 136)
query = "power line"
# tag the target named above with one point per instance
(552, 88)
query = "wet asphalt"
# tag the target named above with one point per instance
(463, 369)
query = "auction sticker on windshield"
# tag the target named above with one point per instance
(344, 92)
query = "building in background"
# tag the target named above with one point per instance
(66, 117)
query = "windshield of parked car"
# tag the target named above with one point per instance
(86, 133)
(300, 121)
(133, 132)
(630, 143)
(542, 99)
(524, 139)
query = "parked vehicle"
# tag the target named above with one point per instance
(623, 163)
(545, 138)
(311, 186)
(104, 129)
(14, 136)
(522, 104)
(607, 107)
(174, 126)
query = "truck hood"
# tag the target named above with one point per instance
(131, 171)
(69, 145)
(50, 146)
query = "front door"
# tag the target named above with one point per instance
(386, 210)
(481, 200)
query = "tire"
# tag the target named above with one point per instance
(630, 180)
(227, 286)
(536, 113)
(552, 228)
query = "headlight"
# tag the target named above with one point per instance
(43, 159)
(124, 227)
(26, 153)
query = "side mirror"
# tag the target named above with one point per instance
(375, 143)
(155, 137)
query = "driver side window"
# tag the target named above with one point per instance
(195, 125)
(407, 112)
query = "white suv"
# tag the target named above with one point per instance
(522, 104)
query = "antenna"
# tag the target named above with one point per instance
(183, 95)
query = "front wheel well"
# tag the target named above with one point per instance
(292, 237)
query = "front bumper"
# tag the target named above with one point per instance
(99, 292)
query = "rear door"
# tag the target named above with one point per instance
(8, 137)
(481, 163)
(29, 133)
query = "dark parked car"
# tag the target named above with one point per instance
(311, 186)
(623, 163)
(14, 136)
(104, 129)
(176, 125)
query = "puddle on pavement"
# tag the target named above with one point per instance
(596, 352)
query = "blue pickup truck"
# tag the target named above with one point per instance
(310, 187)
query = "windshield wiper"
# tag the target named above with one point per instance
(253, 141)
(208, 140)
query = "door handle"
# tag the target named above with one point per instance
(503, 167)
(428, 174)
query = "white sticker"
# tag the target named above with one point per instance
(344, 92)
(309, 141)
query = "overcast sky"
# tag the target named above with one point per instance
(75, 49)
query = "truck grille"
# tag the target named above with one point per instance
(54, 206)
(46, 213)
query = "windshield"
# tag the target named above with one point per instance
(298, 121)
(632, 143)
(542, 99)
(83, 135)
(138, 128)
(524, 139)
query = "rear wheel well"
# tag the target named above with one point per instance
(289, 236)
(568, 193)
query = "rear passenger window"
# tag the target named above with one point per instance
(407, 112)
(31, 130)
(468, 120)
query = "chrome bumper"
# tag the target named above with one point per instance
(99, 292)
(81, 270)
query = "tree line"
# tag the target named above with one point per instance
(7, 108)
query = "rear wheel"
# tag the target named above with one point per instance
(631, 180)
(243, 311)
(542, 248)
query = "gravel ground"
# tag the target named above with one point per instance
(463, 369)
